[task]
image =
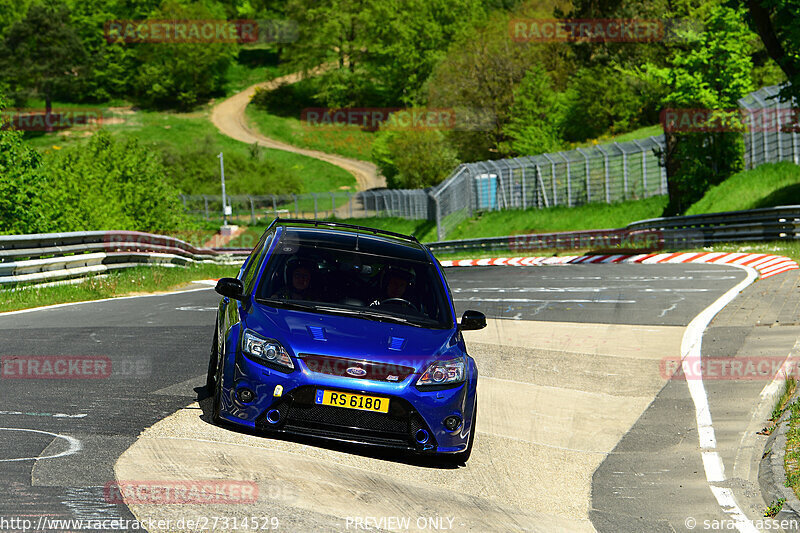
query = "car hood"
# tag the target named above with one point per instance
(349, 337)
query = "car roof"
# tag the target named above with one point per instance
(351, 237)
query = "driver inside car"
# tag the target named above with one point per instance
(299, 277)
(395, 286)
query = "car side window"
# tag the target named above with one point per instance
(251, 268)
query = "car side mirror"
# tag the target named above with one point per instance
(472, 320)
(230, 288)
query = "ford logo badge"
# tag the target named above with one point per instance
(356, 371)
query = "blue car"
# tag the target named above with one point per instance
(345, 333)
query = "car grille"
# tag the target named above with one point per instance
(337, 366)
(301, 415)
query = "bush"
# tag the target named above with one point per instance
(21, 184)
(606, 100)
(108, 184)
(287, 99)
(195, 170)
(413, 159)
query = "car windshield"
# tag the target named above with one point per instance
(375, 286)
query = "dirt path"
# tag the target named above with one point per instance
(229, 117)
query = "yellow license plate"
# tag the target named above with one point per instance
(353, 401)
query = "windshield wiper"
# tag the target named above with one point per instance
(289, 304)
(370, 315)
(363, 313)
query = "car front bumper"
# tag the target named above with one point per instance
(285, 403)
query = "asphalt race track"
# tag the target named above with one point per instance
(579, 429)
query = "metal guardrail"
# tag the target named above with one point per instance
(755, 225)
(765, 224)
(61, 256)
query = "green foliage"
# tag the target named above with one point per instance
(606, 99)
(414, 158)
(41, 51)
(537, 116)
(108, 184)
(288, 99)
(180, 75)
(195, 170)
(411, 39)
(10, 12)
(381, 52)
(481, 71)
(20, 185)
(714, 73)
(109, 66)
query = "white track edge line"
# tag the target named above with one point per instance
(712, 462)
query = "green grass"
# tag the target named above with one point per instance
(791, 460)
(768, 185)
(120, 283)
(589, 216)
(273, 172)
(279, 115)
(348, 141)
(637, 134)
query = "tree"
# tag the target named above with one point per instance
(775, 21)
(413, 158)
(42, 51)
(537, 116)
(178, 75)
(380, 52)
(481, 71)
(412, 39)
(713, 74)
(109, 67)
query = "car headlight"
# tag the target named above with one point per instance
(443, 373)
(263, 350)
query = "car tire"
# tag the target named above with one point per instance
(214, 381)
(213, 363)
(458, 459)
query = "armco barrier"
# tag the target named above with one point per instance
(755, 225)
(60, 256)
